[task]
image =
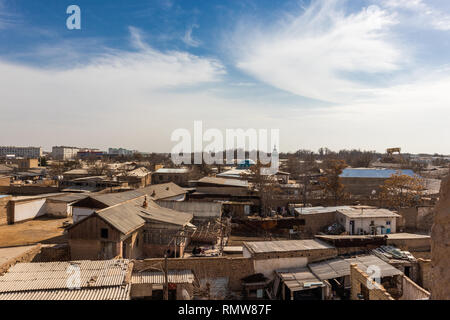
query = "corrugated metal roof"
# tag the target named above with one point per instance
(368, 213)
(174, 276)
(131, 215)
(340, 267)
(225, 182)
(109, 293)
(299, 279)
(373, 173)
(124, 217)
(286, 245)
(158, 213)
(172, 170)
(156, 192)
(69, 197)
(112, 199)
(162, 191)
(99, 280)
(315, 210)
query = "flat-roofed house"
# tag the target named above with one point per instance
(368, 220)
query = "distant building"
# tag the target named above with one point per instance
(24, 152)
(121, 152)
(90, 154)
(64, 153)
(367, 181)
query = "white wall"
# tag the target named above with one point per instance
(81, 213)
(180, 197)
(364, 223)
(29, 210)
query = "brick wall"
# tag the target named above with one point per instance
(360, 283)
(215, 267)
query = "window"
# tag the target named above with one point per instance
(388, 222)
(104, 233)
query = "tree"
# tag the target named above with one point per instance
(401, 191)
(266, 186)
(331, 182)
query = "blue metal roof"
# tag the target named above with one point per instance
(373, 173)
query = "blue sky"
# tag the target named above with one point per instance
(344, 74)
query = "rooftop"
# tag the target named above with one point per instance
(100, 280)
(315, 210)
(407, 236)
(368, 213)
(224, 182)
(174, 276)
(299, 279)
(340, 267)
(373, 173)
(286, 246)
(172, 170)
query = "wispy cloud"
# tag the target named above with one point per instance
(319, 51)
(189, 39)
(421, 12)
(7, 18)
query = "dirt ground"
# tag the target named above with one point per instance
(41, 230)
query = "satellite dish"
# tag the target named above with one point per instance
(374, 192)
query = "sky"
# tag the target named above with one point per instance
(367, 74)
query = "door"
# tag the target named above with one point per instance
(124, 250)
(352, 227)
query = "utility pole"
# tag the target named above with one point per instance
(166, 279)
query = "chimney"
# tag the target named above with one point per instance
(145, 204)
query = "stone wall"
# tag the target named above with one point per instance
(440, 245)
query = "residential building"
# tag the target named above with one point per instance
(121, 152)
(24, 152)
(132, 229)
(64, 153)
